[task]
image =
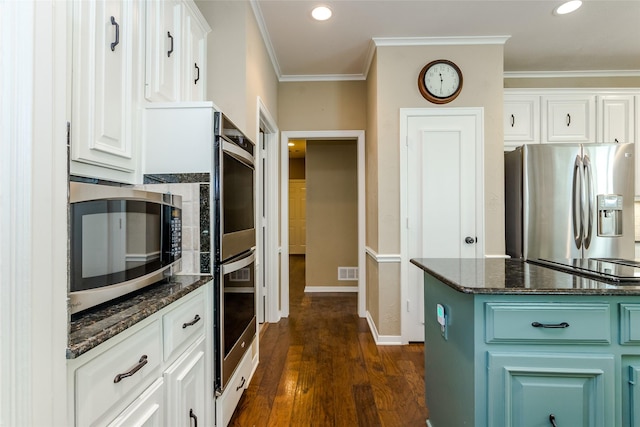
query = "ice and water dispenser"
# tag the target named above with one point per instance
(609, 215)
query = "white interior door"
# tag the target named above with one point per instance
(443, 199)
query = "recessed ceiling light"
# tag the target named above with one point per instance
(321, 13)
(568, 7)
(291, 144)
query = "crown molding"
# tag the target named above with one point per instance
(322, 77)
(257, 12)
(565, 74)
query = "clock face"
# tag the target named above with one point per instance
(440, 81)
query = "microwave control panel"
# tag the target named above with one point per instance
(176, 234)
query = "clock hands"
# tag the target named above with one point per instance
(440, 74)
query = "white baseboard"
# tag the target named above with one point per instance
(497, 256)
(382, 339)
(314, 289)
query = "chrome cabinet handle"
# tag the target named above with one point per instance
(117, 41)
(143, 361)
(513, 120)
(552, 420)
(193, 322)
(197, 75)
(550, 325)
(195, 419)
(170, 51)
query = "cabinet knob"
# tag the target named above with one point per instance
(470, 240)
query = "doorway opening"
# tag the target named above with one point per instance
(320, 137)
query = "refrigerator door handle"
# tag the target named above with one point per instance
(576, 203)
(589, 196)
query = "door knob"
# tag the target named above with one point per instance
(470, 240)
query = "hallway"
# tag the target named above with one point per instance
(320, 367)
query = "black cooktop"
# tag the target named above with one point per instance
(611, 269)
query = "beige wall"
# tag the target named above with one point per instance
(332, 211)
(393, 84)
(322, 105)
(296, 168)
(239, 68)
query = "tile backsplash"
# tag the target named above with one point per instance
(194, 189)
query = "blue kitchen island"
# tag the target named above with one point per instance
(509, 343)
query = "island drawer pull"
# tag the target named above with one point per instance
(550, 325)
(552, 420)
(143, 361)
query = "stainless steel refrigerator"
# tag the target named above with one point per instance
(570, 201)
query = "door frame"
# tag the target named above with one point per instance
(358, 135)
(405, 115)
(269, 258)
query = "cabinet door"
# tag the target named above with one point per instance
(521, 119)
(527, 390)
(569, 118)
(616, 118)
(103, 36)
(145, 411)
(163, 51)
(186, 388)
(195, 49)
(631, 391)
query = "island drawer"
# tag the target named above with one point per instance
(630, 324)
(551, 323)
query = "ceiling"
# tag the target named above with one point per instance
(600, 38)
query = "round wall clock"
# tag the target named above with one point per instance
(440, 81)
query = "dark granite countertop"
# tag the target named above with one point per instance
(95, 326)
(511, 276)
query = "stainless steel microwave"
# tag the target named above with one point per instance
(122, 239)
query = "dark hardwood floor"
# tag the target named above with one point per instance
(320, 367)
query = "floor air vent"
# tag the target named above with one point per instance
(347, 273)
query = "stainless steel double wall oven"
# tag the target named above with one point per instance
(234, 242)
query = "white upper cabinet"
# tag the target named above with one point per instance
(521, 119)
(102, 117)
(569, 115)
(617, 118)
(176, 53)
(163, 51)
(569, 118)
(196, 51)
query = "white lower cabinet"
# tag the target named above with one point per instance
(107, 383)
(152, 374)
(185, 379)
(146, 410)
(239, 381)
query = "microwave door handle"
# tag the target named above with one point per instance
(588, 203)
(576, 205)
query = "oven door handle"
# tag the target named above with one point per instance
(238, 153)
(237, 265)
